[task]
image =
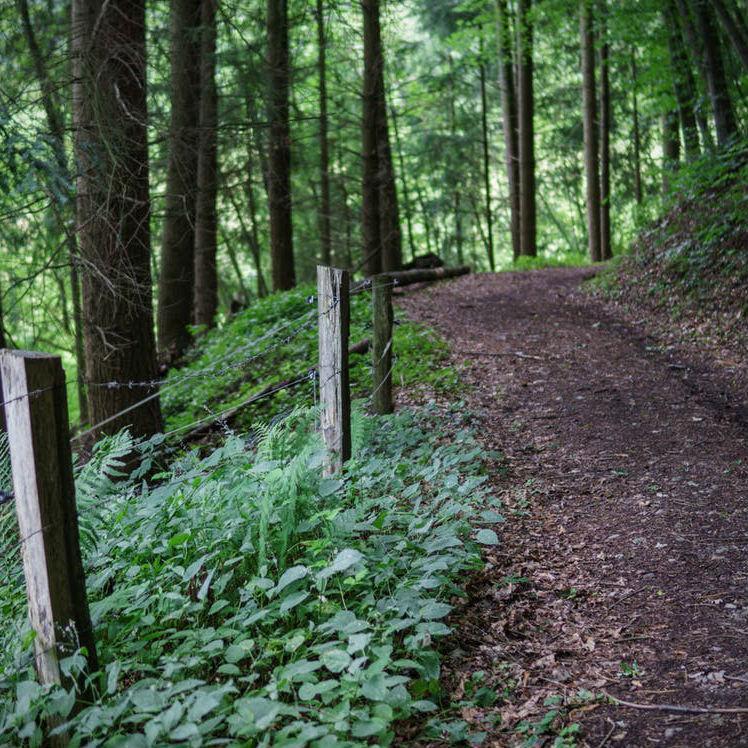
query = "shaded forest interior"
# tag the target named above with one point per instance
(172, 175)
(164, 163)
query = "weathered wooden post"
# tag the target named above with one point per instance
(333, 300)
(381, 302)
(36, 412)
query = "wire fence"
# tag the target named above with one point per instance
(234, 361)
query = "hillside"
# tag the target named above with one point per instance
(688, 271)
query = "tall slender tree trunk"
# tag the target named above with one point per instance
(735, 28)
(113, 210)
(389, 211)
(696, 48)
(324, 147)
(426, 218)
(486, 160)
(279, 157)
(404, 184)
(526, 130)
(670, 148)
(56, 125)
(683, 81)
(589, 110)
(606, 250)
(262, 289)
(636, 133)
(177, 276)
(206, 227)
(724, 115)
(456, 177)
(371, 224)
(509, 117)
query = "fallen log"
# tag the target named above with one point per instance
(361, 347)
(425, 275)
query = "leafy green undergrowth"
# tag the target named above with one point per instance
(245, 599)
(692, 262)
(275, 342)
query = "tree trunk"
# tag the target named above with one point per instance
(526, 129)
(606, 250)
(404, 184)
(724, 114)
(56, 126)
(279, 157)
(206, 227)
(697, 50)
(670, 148)
(426, 217)
(389, 212)
(486, 158)
(735, 30)
(509, 117)
(177, 276)
(683, 82)
(589, 110)
(455, 177)
(324, 148)
(111, 149)
(262, 289)
(371, 225)
(636, 134)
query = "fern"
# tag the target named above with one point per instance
(98, 481)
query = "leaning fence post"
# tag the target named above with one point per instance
(36, 412)
(381, 302)
(333, 297)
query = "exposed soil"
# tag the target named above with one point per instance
(623, 563)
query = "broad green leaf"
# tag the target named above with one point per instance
(335, 660)
(289, 577)
(487, 537)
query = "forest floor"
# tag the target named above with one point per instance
(622, 566)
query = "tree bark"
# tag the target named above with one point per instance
(606, 250)
(389, 211)
(113, 210)
(589, 110)
(636, 133)
(404, 183)
(177, 273)
(735, 30)
(526, 137)
(724, 115)
(509, 117)
(371, 227)
(670, 148)
(455, 178)
(56, 125)
(486, 161)
(683, 81)
(279, 157)
(324, 146)
(697, 50)
(262, 289)
(206, 227)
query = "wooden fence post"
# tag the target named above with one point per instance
(36, 412)
(381, 301)
(333, 300)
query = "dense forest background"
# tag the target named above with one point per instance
(161, 162)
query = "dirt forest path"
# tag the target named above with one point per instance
(623, 563)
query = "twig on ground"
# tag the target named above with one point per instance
(626, 597)
(677, 707)
(517, 354)
(607, 736)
